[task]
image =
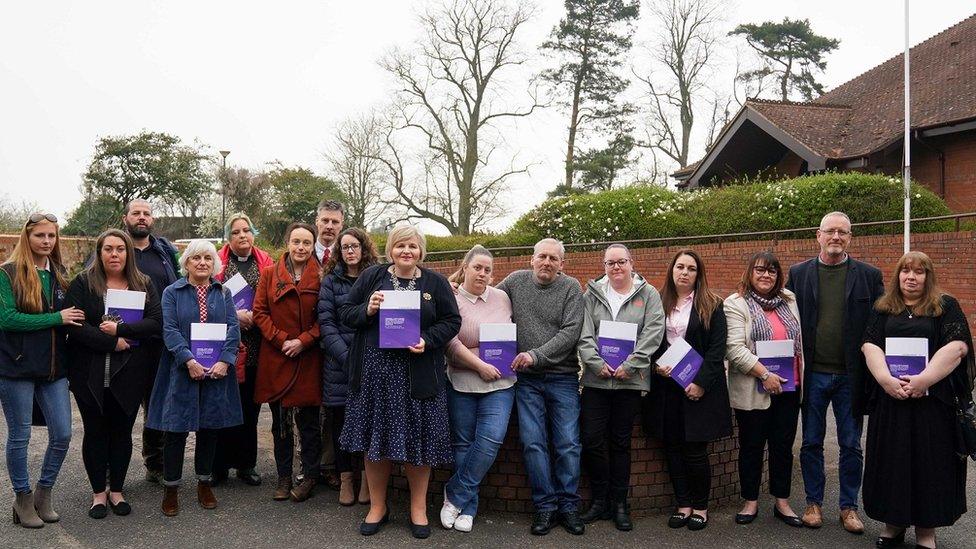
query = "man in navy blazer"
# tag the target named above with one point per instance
(835, 294)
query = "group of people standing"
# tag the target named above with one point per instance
(310, 340)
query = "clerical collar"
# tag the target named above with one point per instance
(242, 259)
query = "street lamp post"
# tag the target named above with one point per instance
(223, 186)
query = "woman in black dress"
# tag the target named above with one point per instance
(397, 406)
(913, 475)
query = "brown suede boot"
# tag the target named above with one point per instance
(171, 501)
(303, 491)
(24, 512)
(283, 489)
(206, 496)
(42, 502)
(347, 493)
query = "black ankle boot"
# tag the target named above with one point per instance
(621, 516)
(599, 510)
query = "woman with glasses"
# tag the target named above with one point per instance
(612, 393)
(356, 253)
(32, 362)
(766, 405)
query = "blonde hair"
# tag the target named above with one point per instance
(26, 284)
(401, 233)
(893, 303)
(457, 277)
(199, 246)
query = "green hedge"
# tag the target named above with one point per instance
(653, 212)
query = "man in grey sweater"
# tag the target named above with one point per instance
(547, 305)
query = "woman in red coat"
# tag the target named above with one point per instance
(289, 363)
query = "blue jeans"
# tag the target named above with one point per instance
(17, 397)
(834, 390)
(479, 422)
(548, 414)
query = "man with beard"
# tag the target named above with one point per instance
(156, 258)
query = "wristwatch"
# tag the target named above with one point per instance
(765, 376)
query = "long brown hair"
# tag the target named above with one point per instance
(27, 284)
(97, 279)
(457, 277)
(893, 303)
(706, 301)
(366, 247)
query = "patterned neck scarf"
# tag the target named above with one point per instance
(762, 330)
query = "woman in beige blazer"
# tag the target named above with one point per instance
(766, 404)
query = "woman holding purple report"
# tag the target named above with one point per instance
(765, 357)
(913, 475)
(482, 384)
(687, 405)
(623, 324)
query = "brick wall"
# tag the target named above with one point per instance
(506, 486)
(73, 249)
(959, 151)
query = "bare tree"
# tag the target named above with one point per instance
(452, 95)
(685, 47)
(357, 169)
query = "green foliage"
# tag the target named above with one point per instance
(95, 213)
(14, 216)
(642, 212)
(791, 52)
(150, 165)
(295, 194)
(598, 167)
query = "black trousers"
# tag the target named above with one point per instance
(206, 445)
(607, 420)
(309, 431)
(107, 442)
(152, 440)
(688, 465)
(237, 447)
(775, 426)
(343, 459)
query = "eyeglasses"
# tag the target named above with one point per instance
(37, 217)
(762, 269)
(617, 263)
(835, 232)
(349, 247)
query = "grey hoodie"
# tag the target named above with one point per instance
(643, 308)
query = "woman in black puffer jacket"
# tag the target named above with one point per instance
(355, 251)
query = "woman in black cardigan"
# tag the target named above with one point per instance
(109, 366)
(397, 406)
(688, 419)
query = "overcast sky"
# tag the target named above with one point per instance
(270, 80)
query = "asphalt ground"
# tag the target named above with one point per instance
(247, 517)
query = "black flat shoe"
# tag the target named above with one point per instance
(249, 477)
(419, 531)
(744, 518)
(680, 520)
(370, 528)
(98, 511)
(795, 522)
(121, 508)
(697, 522)
(896, 541)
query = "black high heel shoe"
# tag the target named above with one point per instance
(370, 528)
(884, 543)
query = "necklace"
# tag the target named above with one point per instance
(411, 286)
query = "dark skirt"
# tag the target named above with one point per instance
(912, 474)
(383, 422)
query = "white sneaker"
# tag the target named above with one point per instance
(449, 513)
(464, 523)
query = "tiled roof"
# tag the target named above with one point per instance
(866, 113)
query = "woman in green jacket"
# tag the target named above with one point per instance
(612, 387)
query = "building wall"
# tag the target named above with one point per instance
(959, 151)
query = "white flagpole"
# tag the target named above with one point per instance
(907, 169)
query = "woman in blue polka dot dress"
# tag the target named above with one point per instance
(397, 406)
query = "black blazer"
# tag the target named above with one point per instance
(440, 321)
(709, 418)
(864, 287)
(131, 371)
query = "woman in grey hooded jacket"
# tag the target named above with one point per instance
(612, 386)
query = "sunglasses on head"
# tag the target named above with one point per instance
(37, 217)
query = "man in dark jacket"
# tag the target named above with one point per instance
(834, 293)
(156, 258)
